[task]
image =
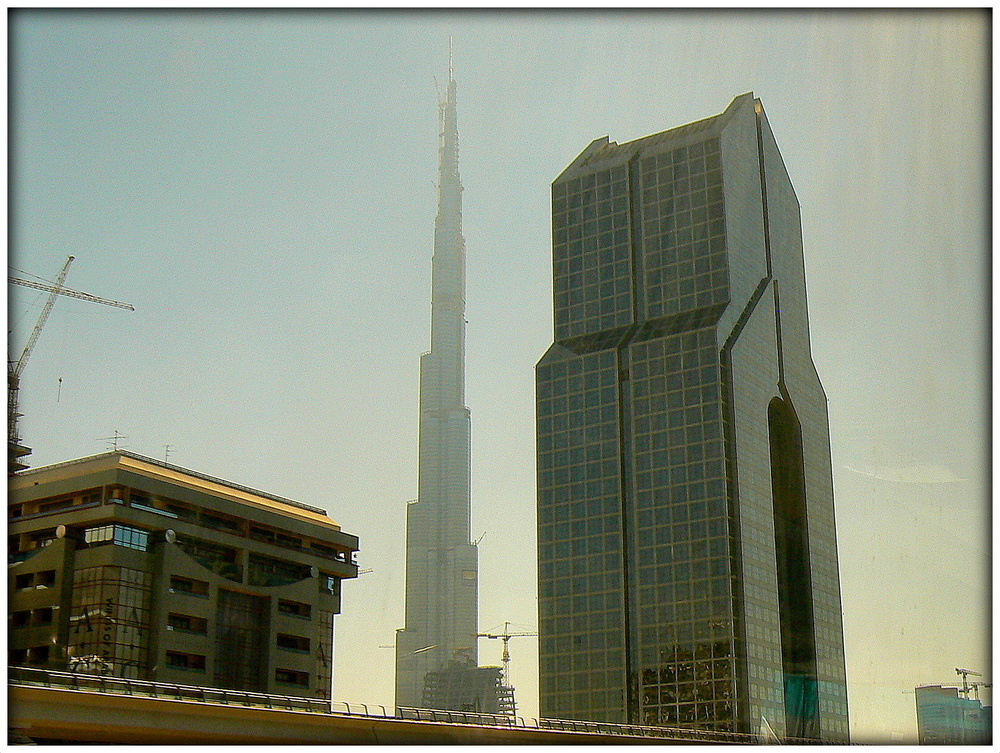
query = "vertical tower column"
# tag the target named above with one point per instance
(441, 562)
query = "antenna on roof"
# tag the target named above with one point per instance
(451, 62)
(114, 440)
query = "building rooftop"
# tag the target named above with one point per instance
(130, 461)
(603, 150)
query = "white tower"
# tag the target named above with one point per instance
(441, 561)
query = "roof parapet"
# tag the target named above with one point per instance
(604, 149)
(170, 467)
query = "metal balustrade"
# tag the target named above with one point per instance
(32, 676)
(172, 691)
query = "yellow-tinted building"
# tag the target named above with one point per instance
(123, 565)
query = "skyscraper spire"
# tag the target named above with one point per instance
(441, 562)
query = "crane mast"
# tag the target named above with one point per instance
(505, 637)
(46, 310)
(965, 679)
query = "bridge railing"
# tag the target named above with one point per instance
(360, 709)
(125, 686)
(573, 725)
(166, 690)
(460, 717)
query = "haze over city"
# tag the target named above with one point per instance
(260, 185)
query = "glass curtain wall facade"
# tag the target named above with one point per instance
(241, 631)
(687, 568)
(110, 628)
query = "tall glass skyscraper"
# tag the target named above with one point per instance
(441, 563)
(687, 553)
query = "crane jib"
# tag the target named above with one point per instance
(70, 292)
(14, 369)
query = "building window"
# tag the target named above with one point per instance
(324, 550)
(293, 642)
(270, 571)
(142, 503)
(20, 619)
(44, 507)
(291, 542)
(42, 538)
(291, 677)
(188, 586)
(57, 505)
(219, 559)
(220, 524)
(185, 623)
(183, 512)
(42, 616)
(332, 583)
(189, 662)
(132, 538)
(262, 534)
(294, 608)
(120, 535)
(38, 655)
(17, 656)
(44, 579)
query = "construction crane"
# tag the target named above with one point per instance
(14, 368)
(965, 679)
(505, 636)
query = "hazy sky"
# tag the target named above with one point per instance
(261, 187)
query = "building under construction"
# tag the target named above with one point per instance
(462, 686)
(951, 716)
(436, 651)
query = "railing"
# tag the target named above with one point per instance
(31, 676)
(572, 725)
(167, 690)
(464, 717)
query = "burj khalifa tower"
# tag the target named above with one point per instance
(441, 562)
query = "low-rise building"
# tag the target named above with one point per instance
(120, 564)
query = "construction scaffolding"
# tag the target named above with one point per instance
(462, 686)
